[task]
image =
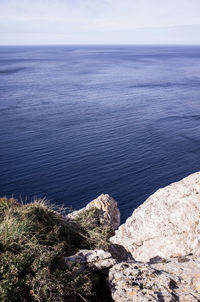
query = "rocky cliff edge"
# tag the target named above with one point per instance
(161, 240)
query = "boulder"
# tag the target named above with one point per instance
(166, 224)
(107, 210)
(92, 259)
(169, 281)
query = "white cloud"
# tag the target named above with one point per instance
(99, 21)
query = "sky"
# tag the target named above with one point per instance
(38, 22)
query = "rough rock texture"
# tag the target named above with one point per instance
(187, 271)
(166, 224)
(93, 259)
(176, 280)
(108, 210)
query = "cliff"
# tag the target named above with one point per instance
(167, 224)
(153, 256)
(162, 239)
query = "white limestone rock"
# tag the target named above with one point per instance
(170, 281)
(166, 224)
(186, 270)
(108, 210)
(93, 259)
(139, 283)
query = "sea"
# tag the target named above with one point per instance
(79, 121)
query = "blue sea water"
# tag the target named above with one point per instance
(78, 121)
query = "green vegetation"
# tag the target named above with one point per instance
(98, 234)
(34, 239)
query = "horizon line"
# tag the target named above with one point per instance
(98, 44)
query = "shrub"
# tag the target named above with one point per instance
(34, 239)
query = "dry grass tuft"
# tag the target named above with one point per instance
(34, 239)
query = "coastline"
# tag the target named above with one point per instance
(162, 235)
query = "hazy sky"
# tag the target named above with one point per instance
(99, 22)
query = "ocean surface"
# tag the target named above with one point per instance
(78, 121)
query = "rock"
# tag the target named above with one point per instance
(139, 282)
(167, 281)
(108, 210)
(166, 224)
(93, 259)
(186, 269)
(119, 253)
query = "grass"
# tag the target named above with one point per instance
(34, 239)
(98, 234)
